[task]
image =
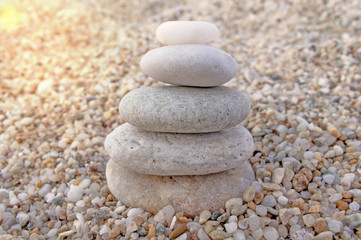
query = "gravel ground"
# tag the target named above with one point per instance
(65, 65)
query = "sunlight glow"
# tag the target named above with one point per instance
(9, 17)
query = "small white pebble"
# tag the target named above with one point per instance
(308, 155)
(230, 227)
(338, 150)
(75, 193)
(99, 201)
(261, 210)
(239, 235)
(22, 218)
(354, 206)
(52, 232)
(85, 183)
(46, 188)
(135, 212)
(335, 197)
(80, 203)
(232, 219)
(12, 198)
(270, 233)
(104, 229)
(328, 178)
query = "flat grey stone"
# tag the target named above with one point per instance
(188, 194)
(179, 154)
(184, 109)
(189, 65)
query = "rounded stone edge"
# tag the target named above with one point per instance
(126, 104)
(191, 82)
(136, 190)
(163, 164)
(212, 28)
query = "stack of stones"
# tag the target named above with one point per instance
(182, 144)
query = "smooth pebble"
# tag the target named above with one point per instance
(186, 32)
(184, 109)
(189, 65)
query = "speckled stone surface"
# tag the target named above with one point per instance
(189, 65)
(187, 194)
(184, 109)
(179, 154)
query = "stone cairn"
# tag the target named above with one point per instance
(182, 144)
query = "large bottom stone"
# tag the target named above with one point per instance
(187, 194)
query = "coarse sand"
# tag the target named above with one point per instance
(65, 65)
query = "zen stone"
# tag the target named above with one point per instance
(186, 32)
(188, 194)
(184, 109)
(179, 154)
(189, 65)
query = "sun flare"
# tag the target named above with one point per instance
(9, 17)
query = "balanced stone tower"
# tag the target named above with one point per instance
(182, 144)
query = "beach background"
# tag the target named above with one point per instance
(65, 65)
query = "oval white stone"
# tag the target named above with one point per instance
(186, 32)
(187, 194)
(189, 65)
(167, 154)
(184, 109)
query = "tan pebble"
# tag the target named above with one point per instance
(51, 223)
(299, 203)
(218, 235)
(208, 228)
(307, 172)
(315, 209)
(346, 194)
(183, 219)
(350, 149)
(301, 180)
(35, 230)
(316, 197)
(249, 194)
(151, 232)
(353, 161)
(110, 198)
(178, 231)
(62, 214)
(317, 156)
(107, 115)
(115, 232)
(38, 184)
(77, 181)
(333, 130)
(240, 217)
(36, 236)
(340, 216)
(342, 205)
(87, 200)
(319, 225)
(258, 197)
(252, 206)
(138, 220)
(111, 222)
(271, 186)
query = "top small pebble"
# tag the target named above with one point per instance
(186, 32)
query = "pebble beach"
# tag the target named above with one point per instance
(65, 65)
